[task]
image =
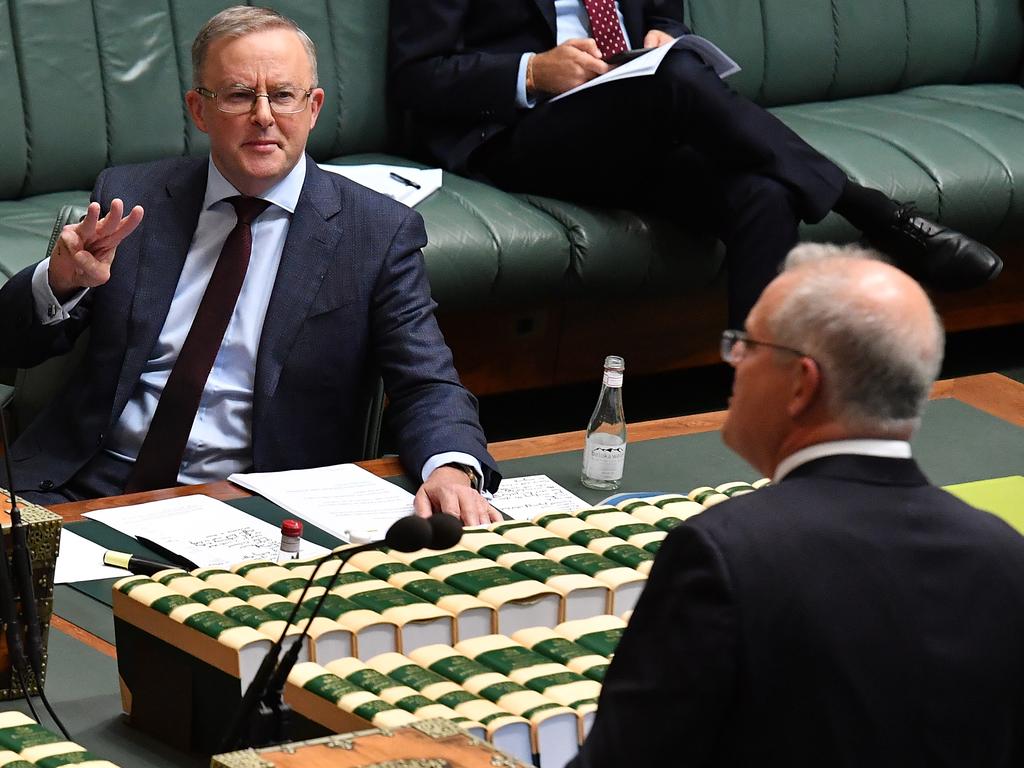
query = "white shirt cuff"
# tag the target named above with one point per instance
(49, 310)
(453, 457)
(523, 100)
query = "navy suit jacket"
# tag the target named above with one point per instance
(454, 63)
(351, 296)
(852, 615)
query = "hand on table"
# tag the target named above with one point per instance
(447, 490)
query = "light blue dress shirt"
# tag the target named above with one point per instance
(571, 22)
(220, 442)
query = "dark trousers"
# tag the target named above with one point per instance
(680, 142)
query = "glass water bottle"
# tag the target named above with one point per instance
(604, 453)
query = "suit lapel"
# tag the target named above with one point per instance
(161, 257)
(633, 17)
(547, 9)
(308, 253)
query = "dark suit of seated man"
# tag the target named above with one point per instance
(477, 77)
(851, 613)
(236, 325)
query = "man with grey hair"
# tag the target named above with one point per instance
(252, 298)
(851, 613)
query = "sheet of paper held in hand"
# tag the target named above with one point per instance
(648, 64)
(523, 498)
(343, 499)
(208, 532)
(81, 560)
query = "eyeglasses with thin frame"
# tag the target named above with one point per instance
(735, 343)
(240, 100)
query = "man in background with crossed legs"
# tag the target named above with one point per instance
(477, 77)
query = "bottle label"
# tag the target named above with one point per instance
(603, 460)
(613, 379)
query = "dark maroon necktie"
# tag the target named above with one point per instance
(605, 27)
(160, 455)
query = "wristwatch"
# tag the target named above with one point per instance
(474, 478)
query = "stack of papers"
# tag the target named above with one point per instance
(208, 532)
(344, 500)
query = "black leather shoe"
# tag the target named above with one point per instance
(937, 256)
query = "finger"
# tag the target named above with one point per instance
(494, 515)
(86, 228)
(587, 45)
(90, 272)
(652, 39)
(125, 227)
(110, 222)
(421, 503)
(594, 66)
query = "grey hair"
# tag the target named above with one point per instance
(805, 253)
(241, 20)
(878, 368)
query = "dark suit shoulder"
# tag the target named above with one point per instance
(134, 183)
(154, 171)
(781, 521)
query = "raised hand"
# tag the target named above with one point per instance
(566, 66)
(82, 256)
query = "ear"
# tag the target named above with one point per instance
(806, 389)
(196, 104)
(316, 100)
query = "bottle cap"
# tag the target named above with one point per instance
(614, 362)
(291, 527)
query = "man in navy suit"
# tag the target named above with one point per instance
(851, 613)
(477, 77)
(334, 287)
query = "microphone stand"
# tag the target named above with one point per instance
(408, 534)
(21, 560)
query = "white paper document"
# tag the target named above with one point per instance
(523, 498)
(81, 560)
(344, 499)
(648, 64)
(406, 185)
(208, 532)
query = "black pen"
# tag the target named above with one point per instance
(179, 560)
(403, 180)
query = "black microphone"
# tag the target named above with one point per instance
(445, 531)
(406, 535)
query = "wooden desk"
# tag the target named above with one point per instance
(999, 396)
(990, 392)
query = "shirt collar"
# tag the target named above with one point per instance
(888, 449)
(284, 194)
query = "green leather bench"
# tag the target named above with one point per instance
(920, 98)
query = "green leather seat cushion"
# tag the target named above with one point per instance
(954, 150)
(25, 226)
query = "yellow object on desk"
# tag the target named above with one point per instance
(1002, 496)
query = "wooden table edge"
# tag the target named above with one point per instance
(992, 393)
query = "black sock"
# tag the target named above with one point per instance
(865, 208)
